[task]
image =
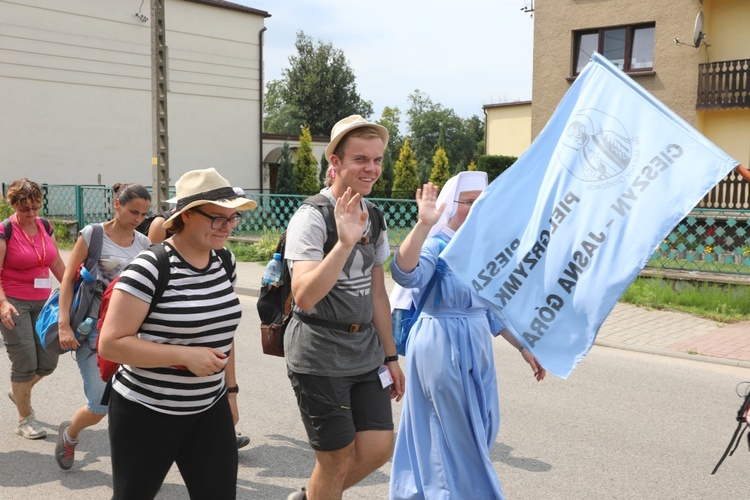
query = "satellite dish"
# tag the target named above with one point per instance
(698, 34)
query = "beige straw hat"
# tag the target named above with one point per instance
(348, 124)
(199, 187)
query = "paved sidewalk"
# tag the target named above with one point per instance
(627, 327)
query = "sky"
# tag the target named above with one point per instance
(463, 55)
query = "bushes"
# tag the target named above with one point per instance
(494, 165)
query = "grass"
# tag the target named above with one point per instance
(719, 302)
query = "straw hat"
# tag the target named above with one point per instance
(348, 124)
(199, 187)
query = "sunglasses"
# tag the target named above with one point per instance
(219, 222)
(29, 209)
(468, 203)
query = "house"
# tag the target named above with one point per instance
(507, 128)
(75, 90)
(692, 55)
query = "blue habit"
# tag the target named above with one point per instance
(451, 410)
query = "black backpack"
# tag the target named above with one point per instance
(275, 302)
(145, 224)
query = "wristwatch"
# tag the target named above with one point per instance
(234, 389)
(389, 359)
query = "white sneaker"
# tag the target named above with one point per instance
(30, 428)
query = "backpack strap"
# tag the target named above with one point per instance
(324, 206)
(8, 227)
(162, 264)
(377, 220)
(95, 250)
(226, 261)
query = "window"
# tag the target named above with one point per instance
(630, 48)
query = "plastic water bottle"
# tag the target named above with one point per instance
(86, 275)
(273, 270)
(84, 328)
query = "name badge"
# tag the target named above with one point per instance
(42, 281)
(385, 376)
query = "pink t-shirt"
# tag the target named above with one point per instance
(21, 265)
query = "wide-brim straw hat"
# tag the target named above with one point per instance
(199, 187)
(348, 124)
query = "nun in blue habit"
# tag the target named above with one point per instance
(451, 411)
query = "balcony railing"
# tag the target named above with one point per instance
(724, 84)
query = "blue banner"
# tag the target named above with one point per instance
(554, 241)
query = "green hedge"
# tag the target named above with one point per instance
(494, 165)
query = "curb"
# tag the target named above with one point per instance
(673, 354)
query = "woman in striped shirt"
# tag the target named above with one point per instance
(174, 396)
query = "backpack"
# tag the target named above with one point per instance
(275, 301)
(108, 368)
(403, 319)
(8, 227)
(86, 295)
(145, 224)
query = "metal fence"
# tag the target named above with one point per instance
(707, 240)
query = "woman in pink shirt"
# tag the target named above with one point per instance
(28, 256)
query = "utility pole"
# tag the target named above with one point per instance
(160, 143)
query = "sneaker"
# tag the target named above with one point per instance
(10, 396)
(242, 441)
(65, 449)
(30, 428)
(297, 495)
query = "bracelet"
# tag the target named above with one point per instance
(234, 389)
(389, 359)
(521, 349)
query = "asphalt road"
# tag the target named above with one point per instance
(625, 425)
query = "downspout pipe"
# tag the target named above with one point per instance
(261, 86)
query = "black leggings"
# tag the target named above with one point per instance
(145, 443)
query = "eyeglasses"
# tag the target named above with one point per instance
(27, 209)
(219, 222)
(468, 203)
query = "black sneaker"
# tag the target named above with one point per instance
(242, 441)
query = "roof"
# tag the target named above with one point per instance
(222, 4)
(506, 104)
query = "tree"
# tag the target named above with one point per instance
(390, 119)
(406, 182)
(284, 175)
(441, 171)
(472, 166)
(305, 167)
(318, 88)
(278, 115)
(323, 169)
(431, 125)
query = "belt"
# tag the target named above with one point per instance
(346, 327)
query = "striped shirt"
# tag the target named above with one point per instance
(198, 308)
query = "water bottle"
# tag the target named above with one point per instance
(273, 270)
(86, 275)
(84, 328)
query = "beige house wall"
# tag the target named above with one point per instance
(675, 73)
(75, 91)
(508, 128)
(727, 29)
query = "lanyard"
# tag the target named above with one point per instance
(40, 232)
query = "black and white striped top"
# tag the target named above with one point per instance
(198, 308)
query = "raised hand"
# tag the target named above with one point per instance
(350, 218)
(429, 212)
